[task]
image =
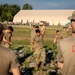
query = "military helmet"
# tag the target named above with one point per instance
(72, 17)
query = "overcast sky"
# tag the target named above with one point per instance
(43, 4)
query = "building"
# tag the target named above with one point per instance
(52, 16)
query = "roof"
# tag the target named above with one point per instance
(45, 15)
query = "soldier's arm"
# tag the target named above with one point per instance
(62, 36)
(60, 57)
(16, 71)
(54, 40)
(32, 44)
(43, 28)
(4, 39)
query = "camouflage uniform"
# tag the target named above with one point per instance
(39, 53)
(40, 73)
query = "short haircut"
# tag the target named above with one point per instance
(10, 28)
(1, 28)
(37, 31)
(64, 27)
(57, 31)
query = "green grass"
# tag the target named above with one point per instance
(21, 36)
(21, 39)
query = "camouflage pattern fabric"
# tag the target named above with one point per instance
(6, 45)
(40, 73)
(40, 55)
(30, 59)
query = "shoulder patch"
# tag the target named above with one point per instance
(73, 48)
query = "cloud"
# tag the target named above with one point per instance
(55, 5)
(44, 4)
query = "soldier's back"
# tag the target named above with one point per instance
(67, 46)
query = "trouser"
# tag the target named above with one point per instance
(39, 55)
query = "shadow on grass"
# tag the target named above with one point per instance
(21, 60)
(19, 48)
(53, 73)
(49, 54)
(28, 71)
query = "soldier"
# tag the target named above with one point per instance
(33, 33)
(66, 51)
(64, 32)
(8, 60)
(37, 45)
(6, 42)
(58, 37)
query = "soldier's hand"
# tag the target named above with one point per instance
(34, 48)
(60, 65)
(45, 23)
(10, 43)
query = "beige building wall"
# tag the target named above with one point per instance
(51, 16)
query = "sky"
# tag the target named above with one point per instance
(43, 4)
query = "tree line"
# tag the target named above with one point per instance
(8, 11)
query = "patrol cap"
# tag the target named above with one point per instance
(72, 17)
(1, 28)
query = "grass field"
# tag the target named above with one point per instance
(21, 35)
(21, 39)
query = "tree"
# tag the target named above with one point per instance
(14, 9)
(4, 17)
(9, 15)
(1, 9)
(7, 12)
(27, 7)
